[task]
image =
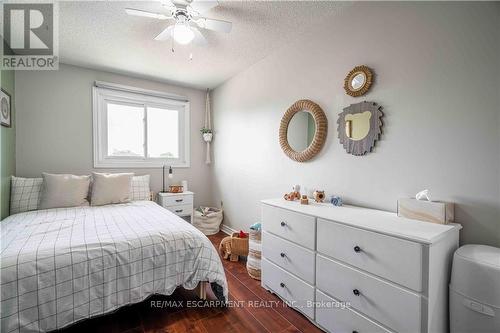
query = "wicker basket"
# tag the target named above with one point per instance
(254, 254)
(239, 246)
(232, 247)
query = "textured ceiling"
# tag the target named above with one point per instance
(101, 35)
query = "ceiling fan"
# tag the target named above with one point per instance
(186, 16)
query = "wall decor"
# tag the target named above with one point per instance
(358, 81)
(206, 130)
(359, 126)
(303, 130)
(5, 109)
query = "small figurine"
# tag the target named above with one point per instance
(336, 200)
(304, 200)
(319, 196)
(294, 195)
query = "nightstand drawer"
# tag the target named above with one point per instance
(181, 210)
(176, 200)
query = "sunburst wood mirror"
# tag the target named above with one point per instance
(303, 130)
(358, 81)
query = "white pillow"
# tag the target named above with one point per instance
(62, 190)
(110, 188)
(140, 188)
(24, 194)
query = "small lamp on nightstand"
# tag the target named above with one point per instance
(170, 176)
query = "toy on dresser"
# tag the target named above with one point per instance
(336, 200)
(319, 196)
(304, 200)
(294, 195)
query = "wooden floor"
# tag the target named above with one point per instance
(259, 311)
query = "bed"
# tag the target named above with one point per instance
(59, 266)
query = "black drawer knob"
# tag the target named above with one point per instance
(283, 223)
(282, 285)
(357, 249)
(354, 331)
(178, 200)
(282, 255)
(356, 292)
(178, 211)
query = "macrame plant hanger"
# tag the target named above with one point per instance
(208, 125)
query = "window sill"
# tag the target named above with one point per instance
(139, 164)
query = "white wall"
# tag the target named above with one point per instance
(54, 126)
(437, 68)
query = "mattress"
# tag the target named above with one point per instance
(59, 266)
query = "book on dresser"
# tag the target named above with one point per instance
(353, 269)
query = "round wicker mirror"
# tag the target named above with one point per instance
(316, 140)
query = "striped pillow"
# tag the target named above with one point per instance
(25, 194)
(140, 188)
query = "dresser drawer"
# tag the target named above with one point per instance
(176, 200)
(181, 210)
(392, 258)
(298, 228)
(293, 258)
(343, 320)
(288, 287)
(386, 303)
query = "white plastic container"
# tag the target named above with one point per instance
(475, 290)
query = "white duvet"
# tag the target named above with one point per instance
(59, 266)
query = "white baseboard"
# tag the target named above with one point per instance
(227, 230)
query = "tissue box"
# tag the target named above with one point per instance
(429, 211)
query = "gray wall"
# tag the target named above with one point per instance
(54, 132)
(7, 145)
(437, 69)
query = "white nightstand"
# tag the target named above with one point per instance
(180, 204)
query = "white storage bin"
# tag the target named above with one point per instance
(475, 290)
(208, 220)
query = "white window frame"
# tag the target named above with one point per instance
(101, 94)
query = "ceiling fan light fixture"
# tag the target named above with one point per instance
(182, 33)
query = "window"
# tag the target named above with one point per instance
(134, 129)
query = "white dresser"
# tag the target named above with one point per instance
(391, 272)
(178, 203)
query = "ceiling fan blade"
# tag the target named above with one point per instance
(143, 13)
(202, 6)
(165, 34)
(215, 25)
(198, 39)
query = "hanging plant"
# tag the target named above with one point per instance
(207, 134)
